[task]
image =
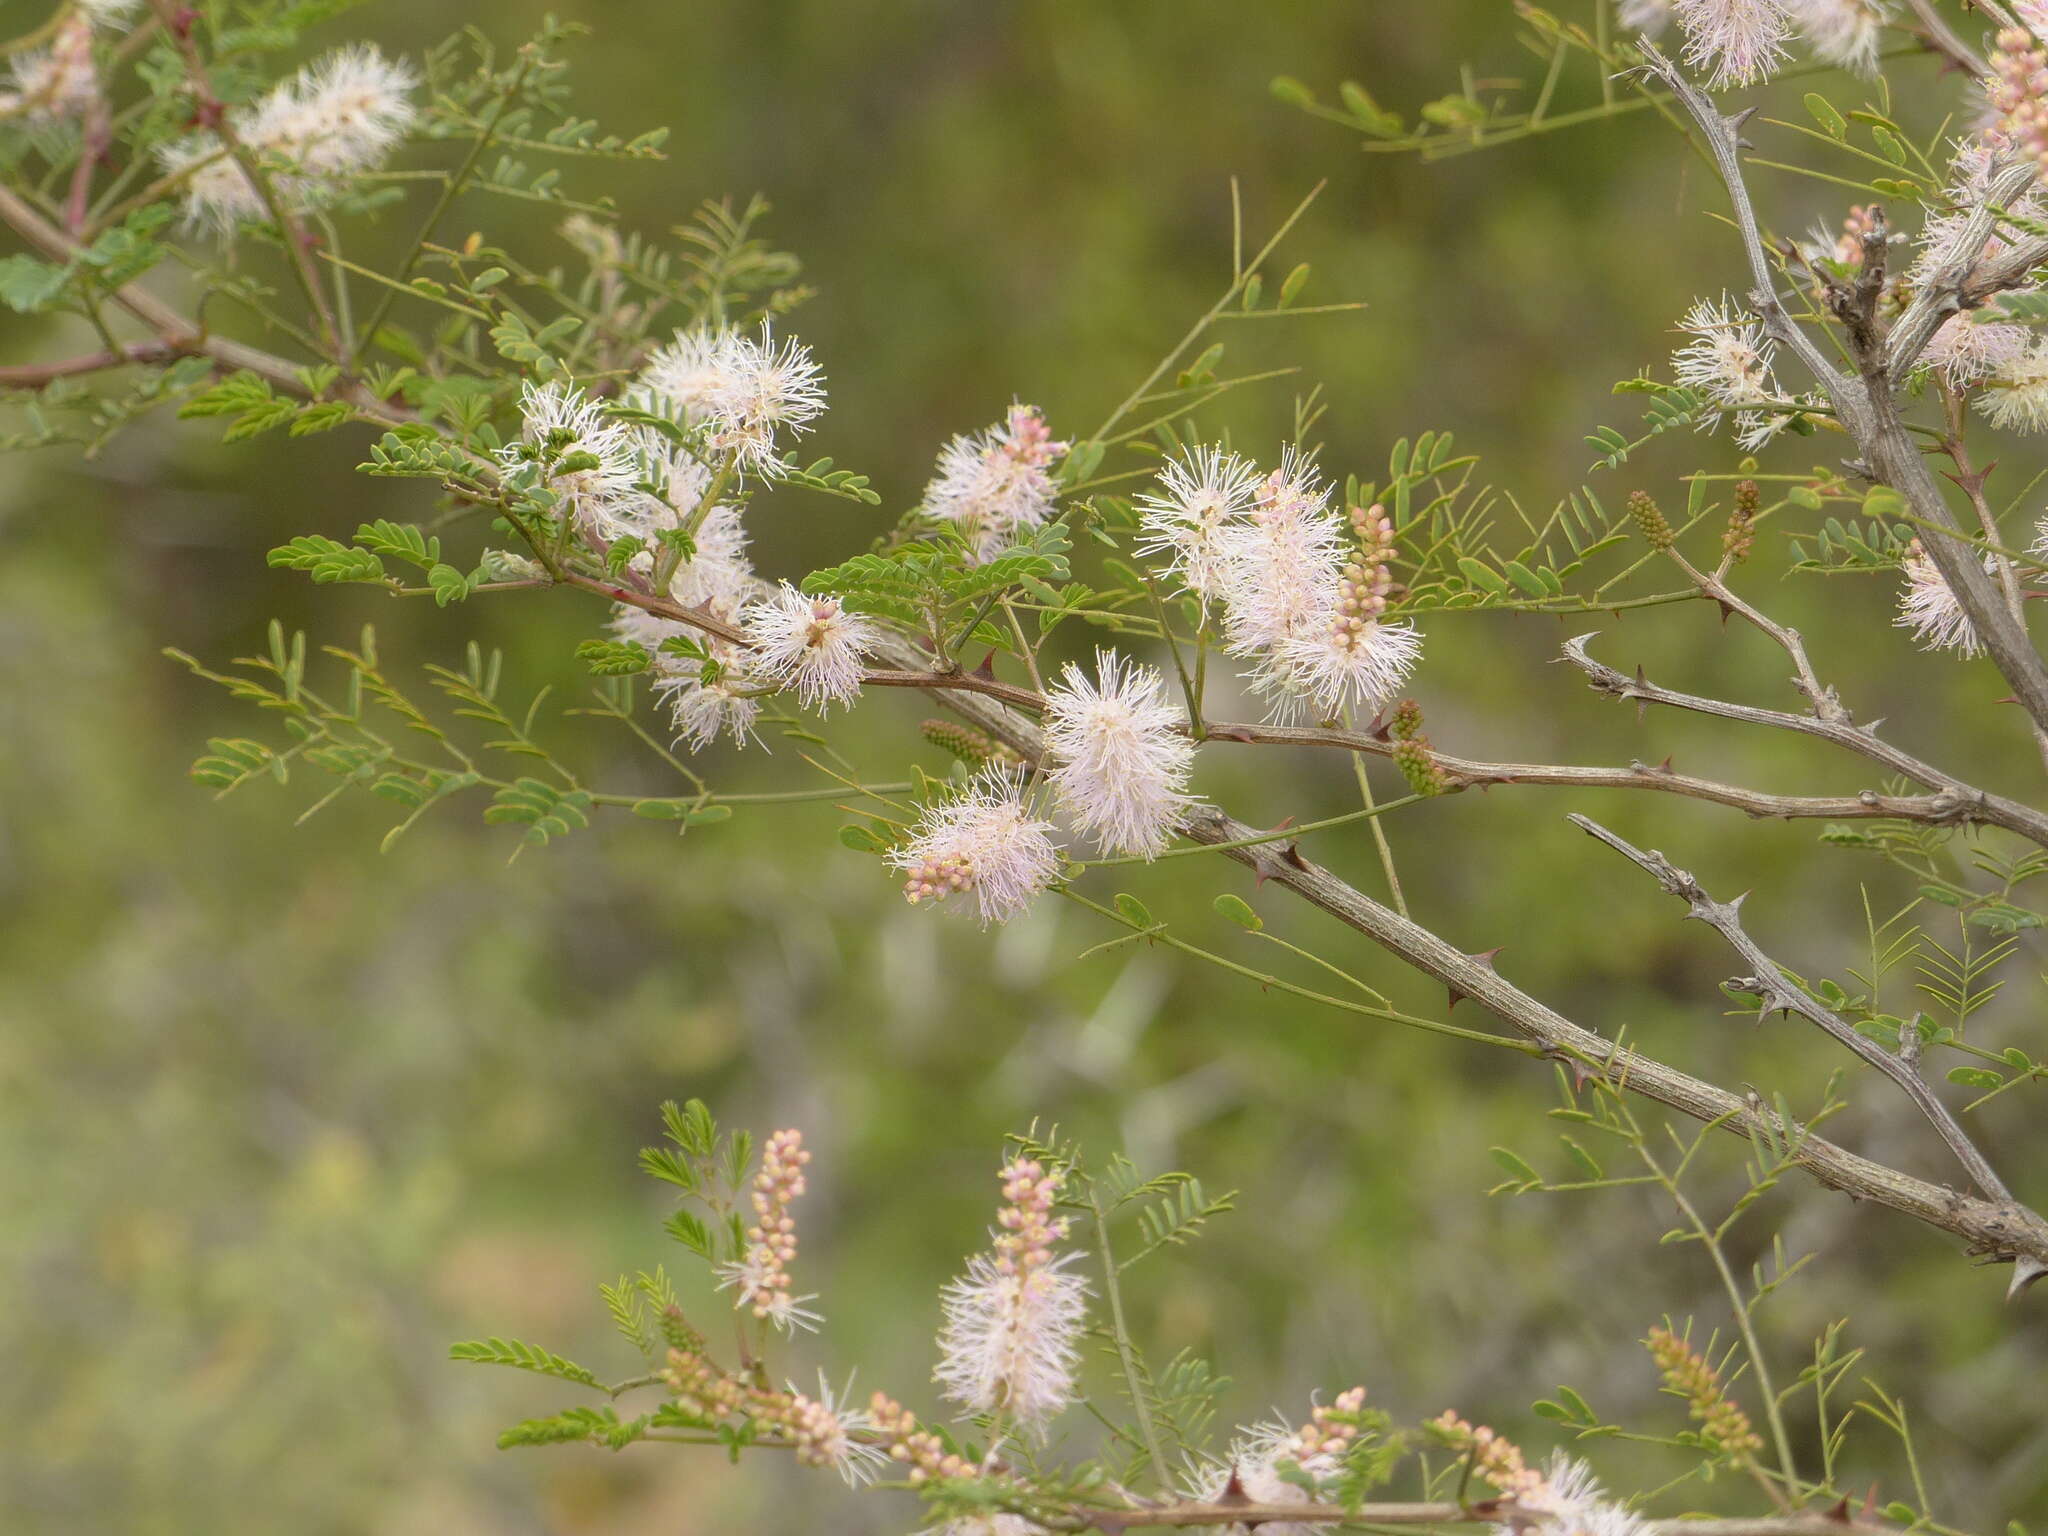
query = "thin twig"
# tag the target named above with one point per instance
(1969, 802)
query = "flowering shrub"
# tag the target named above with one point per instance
(607, 433)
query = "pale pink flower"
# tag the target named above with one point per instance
(1123, 757)
(1260, 1454)
(701, 710)
(2015, 393)
(1648, 18)
(1347, 662)
(2018, 91)
(1009, 1344)
(1284, 563)
(339, 116)
(981, 840)
(1845, 33)
(1740, 41)
(992, 485)
(684, 376)
(1928, 607)
(811, 644)
(56, 83)
(1965, 350)
(1201, 494)
(1572, 1499)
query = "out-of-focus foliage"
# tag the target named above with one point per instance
(279, 1117)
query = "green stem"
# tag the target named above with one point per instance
(1379, 833)
(450, 190)
(1114, 1293)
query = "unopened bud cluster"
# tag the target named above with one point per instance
(937, 878)
(816, 1429)
(2019, 90)
(1740, 535)
(1029, 1227)
(1328, 1430)
(1861, 221)
(1412, 753)
(1364, 587)
(762, 1276)
(702, 1390)
(1642, 506)
(1495, 1458)
(972, 747)
(1687, 1374)
(918, 1450)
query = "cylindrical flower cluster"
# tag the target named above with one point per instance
(2019, 91)
(1687, 1374)
(1008, 1346)
(762, 1276)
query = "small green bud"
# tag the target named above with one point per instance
(1740, 533)
(1643, 508)
(972, 747)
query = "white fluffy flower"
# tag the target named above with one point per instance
(1729, 358)
(701, 711)
(1200, 495)
(1928, 607)
(1123, 761)
(1963, 351)
(1284, 563)
(719, 575)
(1740, 41)
(1008, 1345)
(108, 13)
(761, 387)
(982, 840)
(1845, 33)
(1344, 661)
(1646, 17)
(59, 82)
(992, 484)
(2015, 394)
(1572, 1497)
(811, 644)
(1258, 1455)
(338, 116)
(684, 376)
(590, 462)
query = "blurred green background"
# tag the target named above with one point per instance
(280, 1117)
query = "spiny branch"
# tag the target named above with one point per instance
(2004, 1231)
(1461, 773)
(1866, 407)
(1951, 801)
(1779, 993)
